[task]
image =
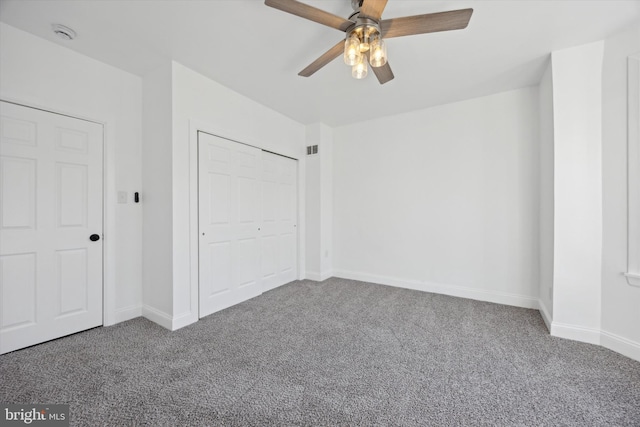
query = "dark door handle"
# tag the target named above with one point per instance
(94, 237)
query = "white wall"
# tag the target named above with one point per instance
(633, 175)
(313, 204)
(157, 254)
(319, 203)
(545, 102)
(620, 301)
(577, 110)
(201, 103)
(326, 209)
(40, 73)
(443, 199)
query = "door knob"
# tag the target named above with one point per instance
(94, 237)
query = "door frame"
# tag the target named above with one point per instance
(109, 193)
(196, 126)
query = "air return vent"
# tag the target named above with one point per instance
(312, 149)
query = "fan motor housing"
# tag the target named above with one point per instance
(363, 24)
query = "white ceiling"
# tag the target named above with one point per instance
(258, 51)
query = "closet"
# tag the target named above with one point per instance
(247, 222)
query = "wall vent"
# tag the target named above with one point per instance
(312, 149)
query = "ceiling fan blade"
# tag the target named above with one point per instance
(373, 9)
(428, 23)
(324, 59)
(311, 13)
(384, 73)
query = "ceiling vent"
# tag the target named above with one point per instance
(312, 149)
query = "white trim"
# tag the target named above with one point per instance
(165, 320)
(109, 264)
(126, 313)
(109, 198)
(158, 316)
(575, 332)
(613, 342)
(302, 223)
(182, 320)
(438, 288)
(44, 108)
(620, 345)
(544, 312)
(633, 279)
(196, 126)
(317, 277)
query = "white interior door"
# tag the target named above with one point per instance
(278, 237)
(50, 205)
(229, 227)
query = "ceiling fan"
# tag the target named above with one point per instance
(365, 33)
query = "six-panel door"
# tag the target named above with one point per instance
(278, 237)
(229, 211)
(50, 205)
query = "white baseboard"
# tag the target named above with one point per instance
(548, 320)
(575, 332)
(318, 277)
(126, 313)
(157, 316)
(611, 341)
(183, 320)
(438, 288)
(620, 345)
(167, 321)
(606, 339)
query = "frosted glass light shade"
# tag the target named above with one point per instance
(352, 54)
(378, 52)
(360, 70)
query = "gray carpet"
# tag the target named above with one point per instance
(338, 352)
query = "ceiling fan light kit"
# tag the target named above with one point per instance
(365, 32)
(352, 54)
(360, 69)
(377, 52)
(364, 44)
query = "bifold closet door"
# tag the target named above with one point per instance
(247, 222)
(50, 225)
(229, 222)
(279, 237)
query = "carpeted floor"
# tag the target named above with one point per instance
(339, 352)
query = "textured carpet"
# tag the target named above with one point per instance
(339, 352)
